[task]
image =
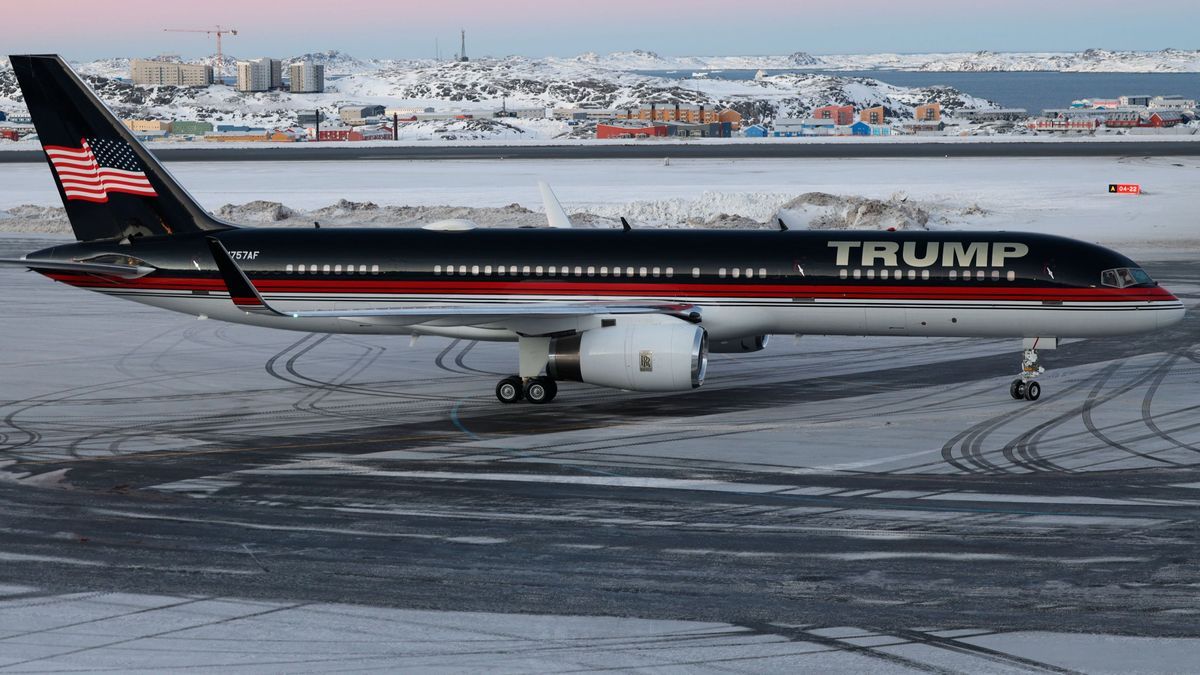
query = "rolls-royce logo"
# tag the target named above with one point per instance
(647, 361)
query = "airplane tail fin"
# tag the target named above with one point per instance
(111, 186)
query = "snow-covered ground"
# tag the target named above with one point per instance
(1057, 195)
(157, 632)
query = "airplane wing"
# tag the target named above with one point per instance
(247, 298)
(556, 215)
(107, 269)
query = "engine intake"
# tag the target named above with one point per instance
(637, 357)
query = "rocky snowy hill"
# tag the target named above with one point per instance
(1091, 60)
(487, 84)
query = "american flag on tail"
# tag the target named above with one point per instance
(99, 167)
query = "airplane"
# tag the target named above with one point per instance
(631, 309)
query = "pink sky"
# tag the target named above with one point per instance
(401, 28)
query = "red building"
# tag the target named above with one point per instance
(630, 131)
(842, 115)
(10, 134)
(1161, 119)
(339, 135)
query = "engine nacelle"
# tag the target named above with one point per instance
(638, 357)
(744, 345)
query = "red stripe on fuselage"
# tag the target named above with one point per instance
(624, 289)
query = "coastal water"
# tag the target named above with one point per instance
(1034, 91)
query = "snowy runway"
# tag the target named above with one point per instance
(172, 486)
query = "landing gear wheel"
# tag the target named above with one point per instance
(540, 390)
(1017, 389)
(509, 390)
(1033, 391)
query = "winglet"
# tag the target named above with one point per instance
(556, 216)
(241, 291)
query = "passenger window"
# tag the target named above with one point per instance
(374, 269)
(325, 269)
(656, 271)
(884, 274)
(912, 275)
(578, 271)
(288, 269)
(995, 275)
(953, 275)
(300, 269)
(762, 273)
(538, 270)
(362, 269)
(695, 272)
(842, 273)
(462, 269)
(966, 275)
(642, 272)
(670, 272)
(721, 272)
(487, 270)
(857, 274)
(871, 274)
(475, 270)
(525, 270)
(337, 269)
(553, 271)
(591, 271)
(925, 274)
(1012, 276)
(628, 271)
(604, 271)
(501, 270)
(616, 271)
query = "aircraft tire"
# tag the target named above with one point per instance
(510, 390)
(1017, 389)
(1033, 391)
(540, 390)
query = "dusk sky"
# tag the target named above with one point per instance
(85, 29)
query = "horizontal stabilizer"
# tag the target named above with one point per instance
(107, 269)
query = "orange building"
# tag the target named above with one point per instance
(842, 115)
(689, 113)
(872, 115)
(930, 112)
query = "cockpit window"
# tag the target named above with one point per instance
(1123, 277)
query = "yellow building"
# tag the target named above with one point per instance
(148, 125)
(243, 137)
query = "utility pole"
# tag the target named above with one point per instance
(462, 54)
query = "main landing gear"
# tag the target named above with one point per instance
(1025, 387)
(534, 389)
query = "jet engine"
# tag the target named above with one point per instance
(638, 357)
(743, 345)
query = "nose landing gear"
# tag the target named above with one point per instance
(1024, 387)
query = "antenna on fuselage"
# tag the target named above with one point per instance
(625, 224)
(782, 225)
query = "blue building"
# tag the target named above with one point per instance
(3, 116)
(863, 129)
(755, 131)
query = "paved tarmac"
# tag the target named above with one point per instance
(651, 150)
(830, 503)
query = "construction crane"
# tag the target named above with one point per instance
(219, 31)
